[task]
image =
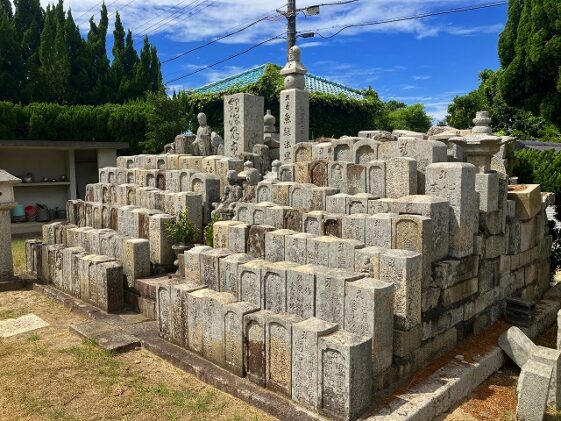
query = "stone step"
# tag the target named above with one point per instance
(108, 337)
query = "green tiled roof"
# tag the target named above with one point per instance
(249, 77)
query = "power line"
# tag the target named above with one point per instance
(253, 47)
(406, 18)
(215, 40)
(94, 7)
(148, 25)
(175, 15)
(381, 22)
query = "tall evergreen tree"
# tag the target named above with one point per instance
(79, 77)
(530, 53)
(99, 63)
(117, 68)
(127, 87)
(28, 23)
(54, 56)
(10, 60)
(6, 6)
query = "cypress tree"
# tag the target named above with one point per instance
(99, 63)
(117, 70)
(156, 82)
(531, 59)
(6, 6)
(28, 23)
(10, 60)
(79, 78)
(54, 56)
(127, 87)
(142, 72)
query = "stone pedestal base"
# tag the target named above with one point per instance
(6, 260)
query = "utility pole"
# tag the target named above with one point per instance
(291, 17)
(292, 12)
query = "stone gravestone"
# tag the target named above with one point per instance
(294, 106)
(243, 123)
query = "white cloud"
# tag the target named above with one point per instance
(421, 77)
(201, 20)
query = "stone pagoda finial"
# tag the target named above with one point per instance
(294, 71)
(481, 145)
(482, 123)
(269, 122)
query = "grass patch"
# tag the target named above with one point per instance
(92, 357)
(33, 338)
(18, 252)
(11, 313)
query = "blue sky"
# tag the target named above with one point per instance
(427, 61)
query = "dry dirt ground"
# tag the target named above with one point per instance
(51, 374)
(496, 398)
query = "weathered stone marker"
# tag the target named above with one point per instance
(243, 123)
(305, 359)
(294, 106)
(7, 202)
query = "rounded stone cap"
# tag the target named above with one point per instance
(269, 119)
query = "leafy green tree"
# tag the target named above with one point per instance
(117, 67)
(166, 119)
(11, 65)
(411, 117)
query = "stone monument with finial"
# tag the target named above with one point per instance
(294, 106)
(7, 202)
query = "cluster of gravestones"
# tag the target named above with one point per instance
(345, 269)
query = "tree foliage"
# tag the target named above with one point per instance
(43, 58)
(524, 96)
(530, 53)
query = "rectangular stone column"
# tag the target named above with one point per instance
(229, 272)
(345, 375)
(305, 359)
(136, 259)
(403, 269)
(294, 121)
(369, 312)
(330, 293)
(243, 123)
(255, 346)
(455, 182)
(278, 352)
(234, 336)
(193, 263)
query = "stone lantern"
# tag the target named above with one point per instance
(480, 147)
(7, 202)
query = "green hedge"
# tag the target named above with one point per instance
(148, 125)
(104, 123)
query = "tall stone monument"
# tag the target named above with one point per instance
(243, 123)
(7, 202)
(294, 106)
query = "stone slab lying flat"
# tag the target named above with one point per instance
(12, 284)
(23, 324)
(108, 337)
